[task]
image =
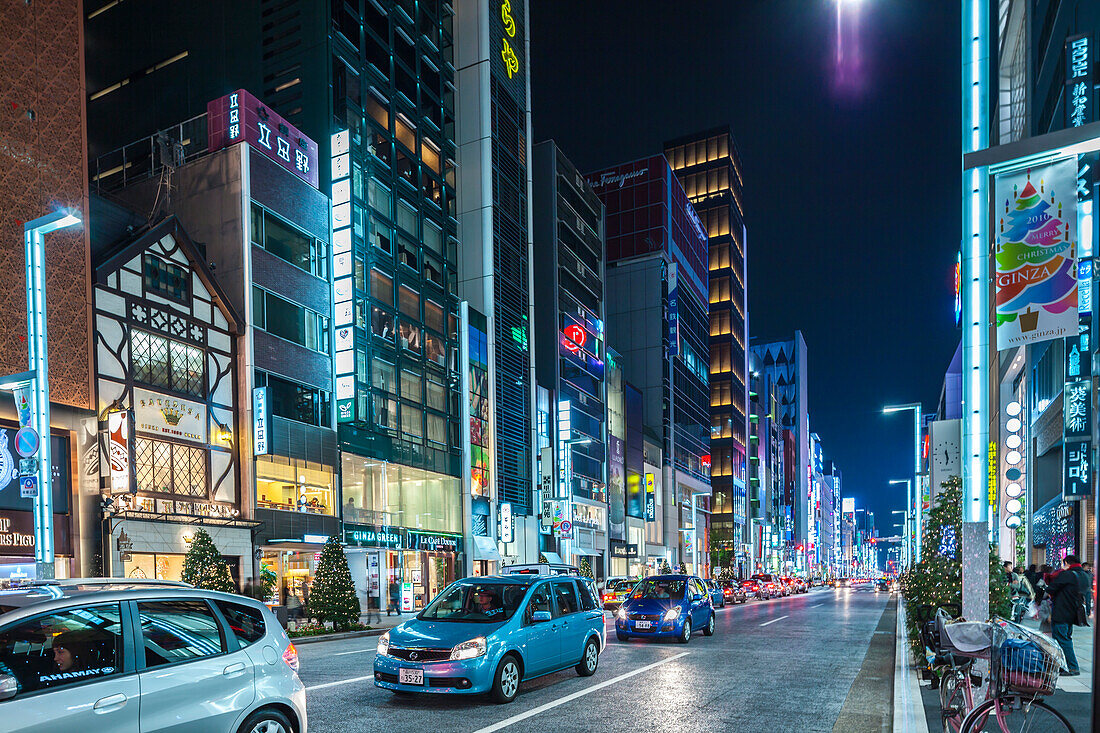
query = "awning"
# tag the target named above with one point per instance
(586, 551)
(485, 548)
(553, 558)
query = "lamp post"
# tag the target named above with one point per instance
(914, 502)
(38, 358)
(910, 519)
(905, 535)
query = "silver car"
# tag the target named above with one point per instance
(119, 655)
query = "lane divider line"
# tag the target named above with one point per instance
(337, 683)
(819, 605)
(587, 691)
(357, 651)
(773, 620)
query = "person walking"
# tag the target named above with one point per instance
(1088, 586)
(1033, 576)
(1067, 609)
(395, 598)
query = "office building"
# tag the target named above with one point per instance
(657, 320)
(494, 209)
(569, 302)
(709, 168)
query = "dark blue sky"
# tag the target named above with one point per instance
(851, 189)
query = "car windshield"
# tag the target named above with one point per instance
(618, 585)
(476, 603)
(663, 588)
(765, 578)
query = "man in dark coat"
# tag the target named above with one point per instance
(1068, 608)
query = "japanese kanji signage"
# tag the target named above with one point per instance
(1079, 91)
(507, 43)
(1077, 469)
(240, 117)
(1077, 408)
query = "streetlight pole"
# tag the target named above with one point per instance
(914, 504)
(910, 523)
(905, 536)
(38, 356)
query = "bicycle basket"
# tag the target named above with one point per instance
(1023, 660)
(963, 638)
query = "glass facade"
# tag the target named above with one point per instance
(392, 495)
(294, 485)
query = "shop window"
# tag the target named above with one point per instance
(157, 566)
(382, 375)
(162, 362)
(425, 500)
(381, 324)
(170, 468)
(63, 649)
(293, 485)
(409, 336)
(166, 279)
(381, 286)
(178, 631)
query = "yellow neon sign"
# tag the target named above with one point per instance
(511, 61)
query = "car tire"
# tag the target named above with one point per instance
(685, 634)
(590, 660)
(621, 636)
(268, 720)
(506, 680)
(708, 630)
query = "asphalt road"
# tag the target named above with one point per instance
(781, 665)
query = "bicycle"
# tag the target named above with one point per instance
(1024, 666)
(953, 671)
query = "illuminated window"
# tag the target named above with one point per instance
(719, 256)
(720, 290)
(170, 468)
(720, 394)
(720, 358)
(162, 362)
(719, 322)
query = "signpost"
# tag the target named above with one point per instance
(28, 487)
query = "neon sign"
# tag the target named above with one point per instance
(575, 337)
(239, 116)
(511, 61)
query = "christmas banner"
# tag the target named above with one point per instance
(1035, 226)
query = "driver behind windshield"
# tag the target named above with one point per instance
(486, 603)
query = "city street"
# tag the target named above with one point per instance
(781, 665)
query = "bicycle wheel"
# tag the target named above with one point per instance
(1015, 714)
(952, 702)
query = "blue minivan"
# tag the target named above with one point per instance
(488, 634)
(670, 606)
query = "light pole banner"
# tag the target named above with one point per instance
(1036, 249)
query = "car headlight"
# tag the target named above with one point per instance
(672, 614)
(383, 648)
(621, 613)
(469, 649)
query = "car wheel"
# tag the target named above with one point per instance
(506, 681)
(621, 636)
(685, 635)
(266, 721)
(587, 666)
(708, 630)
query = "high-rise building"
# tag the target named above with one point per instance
(494, 208)
(709, 167)
(657, 320)
(765, 471)
(569, 303)
(783, 364)
(373, 84)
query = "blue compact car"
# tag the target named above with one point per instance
(670, 606)
(486, 635)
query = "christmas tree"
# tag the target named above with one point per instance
(204, 566)
(937, 579)
(683, 568)
(666, 569)
(332, 596)
(586, 568)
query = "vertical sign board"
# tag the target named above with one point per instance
(673, 312)
(118, 450)
(507, 523)
(240, 117)
(1077, 476)
(1079, 90)
(1035, 230)
(344, 332)
(650, 498)
(261, 436)
(1077, 422)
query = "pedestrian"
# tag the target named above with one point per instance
(1033, 576)
(249, 589)
(395, 598)
(1007, 565)
(1088, 590)
(293, 606)
(1067, 609)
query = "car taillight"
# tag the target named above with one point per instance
(290, 656)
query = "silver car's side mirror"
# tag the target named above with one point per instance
(8, 686)
(540, 617)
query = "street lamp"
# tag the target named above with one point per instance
(38, 378)
(905, 533)
(914, 502)
(910, 519)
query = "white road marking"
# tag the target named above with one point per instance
(340, 682)
(550, 705)
(773, 620)
(357, 651)
(815, 606)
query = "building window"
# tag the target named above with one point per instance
(170, 468)
(295, 401)
(381, 287)
(412, 423)
(294, 485)
(289, 243)
(290, 321)
(162, 362)
(165, 279)
(410, 386)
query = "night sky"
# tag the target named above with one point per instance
(851, 179)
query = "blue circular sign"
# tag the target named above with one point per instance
(27, 442)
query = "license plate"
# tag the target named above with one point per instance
(410, 676)
(643, 624)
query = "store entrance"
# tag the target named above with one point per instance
(423, 574)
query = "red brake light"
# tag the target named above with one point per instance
(290, 656)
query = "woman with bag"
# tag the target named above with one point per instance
(1067, 609)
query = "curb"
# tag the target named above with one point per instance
(908, 706)
(298, 641)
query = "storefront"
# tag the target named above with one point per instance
(17, 546)
(395, 567)
(147, 545)
(294, 485)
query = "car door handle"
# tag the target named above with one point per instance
(233, 669)
(110, 703)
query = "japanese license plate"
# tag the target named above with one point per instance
(643, 624)
(410, 676)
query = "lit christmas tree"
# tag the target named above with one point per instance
(683, 568)
(332, 596)
(586, 568)
(666, 569)
(204, 566)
